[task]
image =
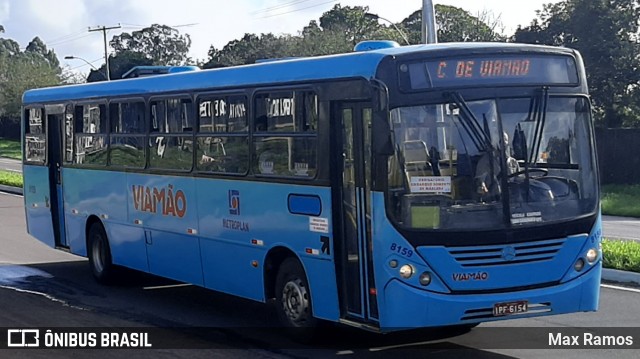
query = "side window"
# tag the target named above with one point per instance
(127, 140)
(285, 137)
(90, 139)
(223, 136)
(68, 134)
(35, 137)
(171, 139)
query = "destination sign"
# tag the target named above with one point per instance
(491, 70)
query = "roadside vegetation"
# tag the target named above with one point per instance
(622, 255)
(621, 200)
(8, 178)
(10, 148)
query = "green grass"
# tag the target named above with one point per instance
(621, 200)
(622, 255)
(10, 178)
(10, 148)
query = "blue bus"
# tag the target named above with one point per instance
(387, 188)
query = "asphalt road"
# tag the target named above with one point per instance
(621, 227)
(9, 164)
(40, 286)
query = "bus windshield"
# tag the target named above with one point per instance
(492, 163)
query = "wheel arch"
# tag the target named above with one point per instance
(273, 260)
(90, 221)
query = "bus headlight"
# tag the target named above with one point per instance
(425, 278)
(592, 255)
(579, 265)
(406, 271)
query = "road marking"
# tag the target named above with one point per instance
(620, 288)
(50, 297)
(168, 286)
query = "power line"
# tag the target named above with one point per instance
(276, 7)
(124, 25)
(64, 37)
(60, 42)
(300, 9)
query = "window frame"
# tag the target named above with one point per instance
(150, 133)
(314, 134)
(45, 130)
(144, 134)
(246, 134)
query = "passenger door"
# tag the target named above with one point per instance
(56, 130)
(357, 288)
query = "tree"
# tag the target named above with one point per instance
(606, 34)
(20, 71)
(350, 22)
(456, 25)
(119, 64)
(249, 49)
(37, 46)
(161, 44)
(338, 31)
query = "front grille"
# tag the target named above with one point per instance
(495, 255)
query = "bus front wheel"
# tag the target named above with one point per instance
(293, 298)
(100, 255)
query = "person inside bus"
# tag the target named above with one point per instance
(488, 170)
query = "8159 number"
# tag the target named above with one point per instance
(403, 251)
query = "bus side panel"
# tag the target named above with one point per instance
(228, 223)
(240, 221)
(102, 194)
(166, 207)
(322, 275)
(37, 201)
(227, 268)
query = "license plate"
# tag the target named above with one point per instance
(509, 308)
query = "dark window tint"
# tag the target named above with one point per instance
(223, 114)
(223, 142)
(284, 140)
(35, 141)
(171, 140)
(127, 140)
(90, 140)
(127, 117)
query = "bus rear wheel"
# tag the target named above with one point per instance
(293, 300)
(100, 255)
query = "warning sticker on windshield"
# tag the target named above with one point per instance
(528, 217)
(430, 184)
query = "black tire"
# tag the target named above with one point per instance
(99, 255)
(293, 301)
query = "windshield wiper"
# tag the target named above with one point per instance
(479, 137)
(539, 116)
(537, 113)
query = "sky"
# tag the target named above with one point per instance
(63, 24)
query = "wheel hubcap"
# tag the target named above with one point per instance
(295, 300)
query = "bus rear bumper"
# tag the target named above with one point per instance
(409, 307)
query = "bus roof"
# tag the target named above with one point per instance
(341, 66)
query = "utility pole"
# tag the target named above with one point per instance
(106, 53)
(429, 35)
